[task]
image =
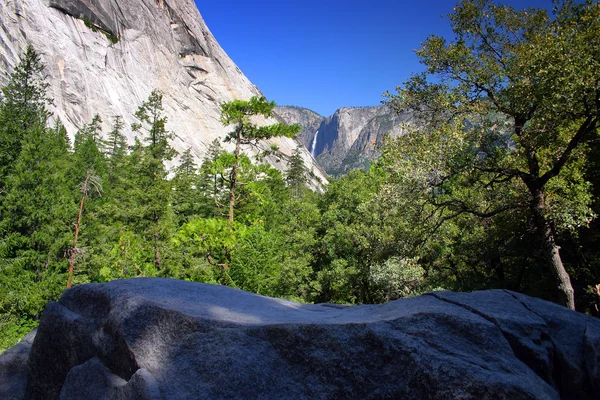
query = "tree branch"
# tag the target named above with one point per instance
(588, 125)
(211, 262)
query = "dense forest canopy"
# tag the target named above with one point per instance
(497, 188)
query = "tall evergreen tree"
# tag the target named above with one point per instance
(211, 183)
(22, 108)
(35, 198)
(115, 144)
(155, 190)
(188, 200)
(296, 175)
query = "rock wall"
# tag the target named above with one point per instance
(151, 338)
(162, 44)
(309, 120)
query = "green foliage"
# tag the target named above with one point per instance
(395, 278)
(35, 198)
(504, 122)
(242, 116)
(448, 205)
(297, 173)
(23, 108)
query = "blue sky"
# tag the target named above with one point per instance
(328, 54)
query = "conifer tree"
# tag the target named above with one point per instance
(155, 189)
(115, 144)
(187, 198)
(88, 186)
(22, 108)
(296, 175)
(88, 150)
(35, 197)
(239, 114)
(211, 183)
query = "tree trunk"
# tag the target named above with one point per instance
(73, 252)
(157, 261)
(550, 250)
(233, 179)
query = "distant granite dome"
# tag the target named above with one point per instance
(106, 56)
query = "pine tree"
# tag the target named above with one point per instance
(187, 198)
(35, 207)
(115, 144)
(238, 113)
(23, 108)
(155, 190)
(211, 184)
(88, 150)
(296, 176)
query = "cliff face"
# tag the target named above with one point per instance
(106, 56)
(350, 138)
(365, 148)
(309, 120)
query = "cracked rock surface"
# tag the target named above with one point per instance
(154, 338)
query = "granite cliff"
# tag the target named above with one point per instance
(151, 338)
(106, 56)
(309, 120)
(349, 138)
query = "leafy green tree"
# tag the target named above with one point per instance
(239, 114)
(505, 121)
(355, 234)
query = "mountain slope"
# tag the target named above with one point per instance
(106, 56)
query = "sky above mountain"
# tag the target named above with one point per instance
(327, 54)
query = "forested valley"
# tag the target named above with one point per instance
(497, 186)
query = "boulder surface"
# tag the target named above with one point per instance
(154, 338)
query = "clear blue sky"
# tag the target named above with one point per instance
(327, 54)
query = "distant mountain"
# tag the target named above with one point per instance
(349, 138)
(308, 119)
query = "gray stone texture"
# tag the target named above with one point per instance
(13, 369)
(153, 338)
